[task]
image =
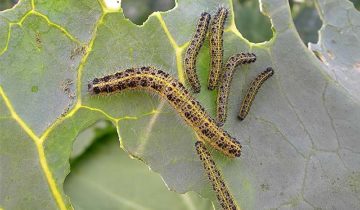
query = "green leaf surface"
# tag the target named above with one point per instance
(300, 140)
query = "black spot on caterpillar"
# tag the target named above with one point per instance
(223, 195)
(216, 46)
(254, 88)
(158, 81)
(226, 78)
(193, 50)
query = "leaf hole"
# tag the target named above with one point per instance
(113, 5)
(306, 19)
(138, 11)
(89, 137)
(254, 26)
(7, 4)
(356, 4)
(103, 176)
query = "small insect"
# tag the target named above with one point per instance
(216, 46)
(158, 81)
(193, 50)
(223, 195)
(81, 50)
(38, 40)
(224, 88)
(254, 88)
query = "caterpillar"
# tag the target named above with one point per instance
(193, 50)
(223, 195)
(216, 46)
(223, 90)
(254, 88)
(158, 81)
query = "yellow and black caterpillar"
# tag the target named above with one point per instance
(223, 195)
(253, 89)
(193, 51)
(216, 46)
(158, 81)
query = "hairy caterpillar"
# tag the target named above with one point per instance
(224, 88)
(254, 88)
(151, 79)
(193, 50)
(223, 195)
(216, 46)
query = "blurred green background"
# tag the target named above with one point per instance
(100, 169)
